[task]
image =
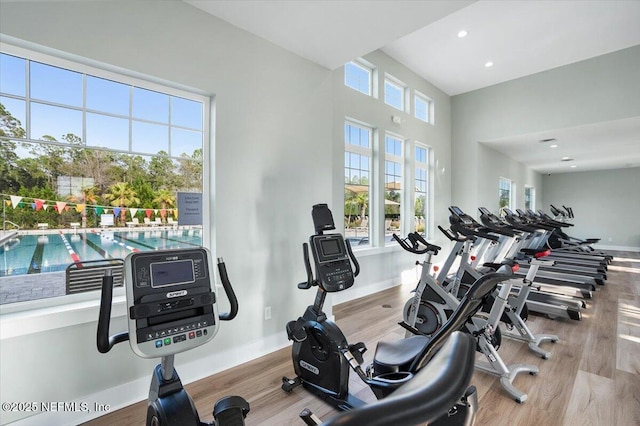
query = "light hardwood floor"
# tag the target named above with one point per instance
(591, 379)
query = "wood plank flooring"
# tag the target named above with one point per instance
(591, 378)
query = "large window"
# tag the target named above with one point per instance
(394, 93)
(529, 197)
(359, 77)
(393, 178)
(91, 164)
(357, 182)
(421, 190)
(506, 194)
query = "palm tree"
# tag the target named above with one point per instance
(88, 196)
(121, 195)
(165, 198)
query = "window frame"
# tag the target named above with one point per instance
(400, 160)
(402, 89)
(42, 310)
(359, 63)
(511, 198)
(428, 169)
(369, 153)
(430, 113)
(532, 197)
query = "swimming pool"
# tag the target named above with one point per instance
(51, 252)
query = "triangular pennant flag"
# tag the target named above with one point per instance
(106, 211)
(60, 205)
(39, 204)
(175, 213)
(8, 202)
(80, 207)
(15, 200)
(99, 210)
(116, 211)
(33, 206)
(133, 212)
(163, 213)
(148, 212)
(46, 206)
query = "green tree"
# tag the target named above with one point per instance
(190, 171)
(10, 127)
(161, 172)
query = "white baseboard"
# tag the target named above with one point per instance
(620, 248)
(137, 390)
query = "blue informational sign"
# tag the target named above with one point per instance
(189, 208)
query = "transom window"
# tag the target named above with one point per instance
(423, 107)
(394, 93)
(359, 77)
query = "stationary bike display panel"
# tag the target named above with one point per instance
(171, 306)
(333, 267)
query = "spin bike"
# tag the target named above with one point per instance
(321, 355)
(432, 304)
(171, 309)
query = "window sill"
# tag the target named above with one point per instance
(16, 323)
(374, 251)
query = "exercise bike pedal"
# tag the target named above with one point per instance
(289, 384)
(357, 350)
(296, 331)
(231, 410)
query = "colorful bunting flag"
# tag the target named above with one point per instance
(15, 200)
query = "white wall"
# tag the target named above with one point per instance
(273, 160)
(606, 204)
(599, 89)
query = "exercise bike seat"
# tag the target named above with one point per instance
(397, 355)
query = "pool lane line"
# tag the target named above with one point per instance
(135, 241)
(182, 242)
(133, 249)
(36, 259)
(72, 253)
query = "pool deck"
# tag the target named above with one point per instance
(20, 288)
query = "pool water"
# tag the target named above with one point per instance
(34, 254)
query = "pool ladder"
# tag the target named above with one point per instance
(4, 225)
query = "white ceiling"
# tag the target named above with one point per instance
(520, 37)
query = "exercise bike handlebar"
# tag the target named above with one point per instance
(305, 285)
(104, 342)
(416, 239)
(356, 272)
(231, 295)
(453, 237)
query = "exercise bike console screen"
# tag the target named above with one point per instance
(170, 303)
(172, 273)
(332, 262)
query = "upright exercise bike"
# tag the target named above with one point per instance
(322, 357)
(171, 309)
(432, 305)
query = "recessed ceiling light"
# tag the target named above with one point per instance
(462, 34)
(566, 159)
(574, 166)
(555, 145)
(488, 64)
